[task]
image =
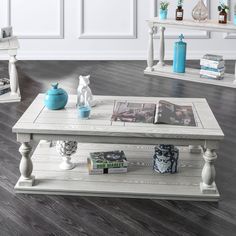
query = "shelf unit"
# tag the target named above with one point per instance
(160, 69)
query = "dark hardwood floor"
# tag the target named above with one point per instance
(60, 215)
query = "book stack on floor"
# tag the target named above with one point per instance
(112, 162)
(212, 67)
(4, 86)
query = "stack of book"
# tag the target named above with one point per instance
(4, 86)
(111, 162)
(212, 67)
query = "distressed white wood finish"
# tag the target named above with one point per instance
(10, 46)
(210, 25)
(39, 123)
(150, 58)
(162, 47)
(191, 74)
(26, 165)
(140, 181)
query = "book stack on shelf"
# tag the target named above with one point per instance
(4, 86)
(112, 162)
(212, 67)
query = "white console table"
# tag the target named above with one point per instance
(163, 70)
(10, 46)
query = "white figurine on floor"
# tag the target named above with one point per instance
(84, 93)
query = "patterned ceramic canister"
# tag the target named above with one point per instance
(165, 159)
(66, 149)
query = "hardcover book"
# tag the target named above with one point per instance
(107, 162)
(134, 112)
(172, 114)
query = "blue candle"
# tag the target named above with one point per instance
(179, 55)
(84, 112)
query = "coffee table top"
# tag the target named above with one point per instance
(39, 120)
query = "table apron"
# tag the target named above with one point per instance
(212, 144)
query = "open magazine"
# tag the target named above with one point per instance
(162, 113)
(134, 112)
(172, 114)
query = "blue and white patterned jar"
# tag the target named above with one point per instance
(165, 159)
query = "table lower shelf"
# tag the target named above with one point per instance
(191, 75)
(7, 97)
(140, 181)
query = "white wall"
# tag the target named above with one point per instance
(101, 29)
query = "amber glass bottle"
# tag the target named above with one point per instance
(223, 17)
(179, 15)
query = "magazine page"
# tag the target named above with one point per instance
(172, 114)
(134, 112)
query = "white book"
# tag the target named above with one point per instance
(109, 171)
(208, 72)
(212, 64)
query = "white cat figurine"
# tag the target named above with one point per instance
(84, 93)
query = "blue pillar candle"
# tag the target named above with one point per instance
(179, 61)
(165, 159)
(84, 112)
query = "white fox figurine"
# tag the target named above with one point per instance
(84, 93)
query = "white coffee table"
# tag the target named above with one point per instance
(195, 179)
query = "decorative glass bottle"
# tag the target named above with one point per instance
(223, 17)
(200, 12)
(179, 13)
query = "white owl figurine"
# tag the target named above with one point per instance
(84, 93)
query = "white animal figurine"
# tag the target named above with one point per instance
(84, 93)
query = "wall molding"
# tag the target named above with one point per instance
(132, 35)
(206, 34)
(108, 55)
(60, 34)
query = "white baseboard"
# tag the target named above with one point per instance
(108, 55)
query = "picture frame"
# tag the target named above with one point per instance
(6, 32)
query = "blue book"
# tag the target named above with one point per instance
(222, 69)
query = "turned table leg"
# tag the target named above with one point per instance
(195, 149)
(13, 75)
(162, 46)
(150, 58)
(26, 165)
(235, 74)
(208, 172)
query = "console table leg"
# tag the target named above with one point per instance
(26, 165)
(150, 58)
(235, 73)
(195, 149)
(162, 47)
(208, 172)
(13, 75)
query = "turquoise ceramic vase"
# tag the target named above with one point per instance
(163, 14)
(179, 61)
(235, 19)
(56, 98)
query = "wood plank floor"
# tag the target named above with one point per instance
(60, 215)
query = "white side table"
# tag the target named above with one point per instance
(10, 46)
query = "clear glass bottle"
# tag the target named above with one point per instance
(179, 13)
(200, 11)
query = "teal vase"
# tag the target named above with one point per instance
(163, 14)
(179, 61)
(235, 19)
(56, 98)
